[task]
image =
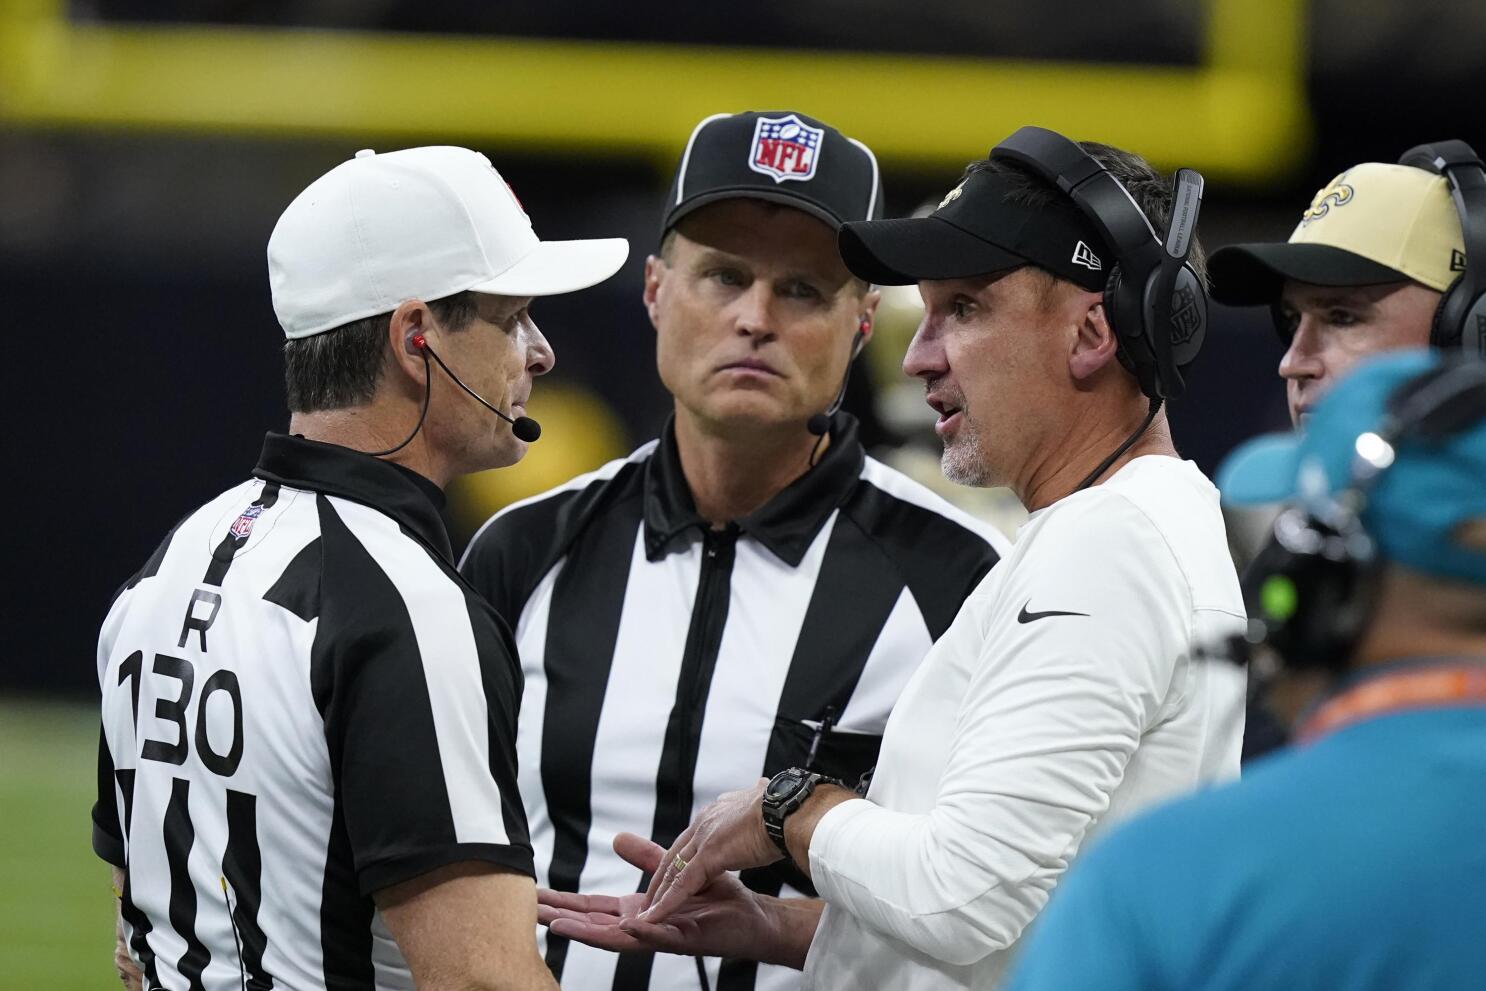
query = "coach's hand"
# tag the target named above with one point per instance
(723, 919)
(727, 835)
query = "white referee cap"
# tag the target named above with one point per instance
(423, 223)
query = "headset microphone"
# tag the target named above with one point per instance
(523, 427)
(820, 423)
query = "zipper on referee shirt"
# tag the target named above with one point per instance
(698, 662)
(674, 792)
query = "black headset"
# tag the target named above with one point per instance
(1311, 590)
(1155, 301)
(1460, 319)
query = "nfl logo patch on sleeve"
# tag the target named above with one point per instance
(785, 148)
(243, 527)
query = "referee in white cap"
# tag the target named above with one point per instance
(307, 765)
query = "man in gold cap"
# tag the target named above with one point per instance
(1377, 263)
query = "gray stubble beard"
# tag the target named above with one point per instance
(962, 460)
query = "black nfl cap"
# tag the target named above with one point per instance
(779, 156)
(980, 228)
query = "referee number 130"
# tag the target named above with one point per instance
(222, 761)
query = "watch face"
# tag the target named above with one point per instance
(783, 784)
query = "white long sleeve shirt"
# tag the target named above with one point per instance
(1023, 729)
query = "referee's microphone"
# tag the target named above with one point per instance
(524, 427)
(820, 423)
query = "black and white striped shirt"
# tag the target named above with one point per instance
(666, 662)
(303, 703)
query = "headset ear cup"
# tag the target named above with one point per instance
(1188, 317)
(1471, 333)
(1112, 316)
(1175, 340)
(1313, 607)
(1445, 328)
(1459, 324)
(1124, 308)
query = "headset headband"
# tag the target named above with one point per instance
(1148, 278)
(1074, 171)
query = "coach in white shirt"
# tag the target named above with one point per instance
(1066, 694)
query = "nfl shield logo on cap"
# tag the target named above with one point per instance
(785, 148)
(751, 155)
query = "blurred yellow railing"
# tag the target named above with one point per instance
(1240, 116)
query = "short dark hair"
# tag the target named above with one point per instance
(341, 367)
(1149, 188)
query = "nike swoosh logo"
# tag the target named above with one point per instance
(1027, 617)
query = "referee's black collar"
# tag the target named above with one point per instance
(401, 493)
(786, 524)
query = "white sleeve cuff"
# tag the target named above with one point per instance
(866, 861)
(832, 870)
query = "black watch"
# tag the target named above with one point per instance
(784, 794)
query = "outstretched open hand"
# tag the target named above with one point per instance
(727, 835)
(723, 918)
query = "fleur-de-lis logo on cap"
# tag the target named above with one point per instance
(1336, 193)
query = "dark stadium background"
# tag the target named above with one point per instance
(143, 365)
(147, 146)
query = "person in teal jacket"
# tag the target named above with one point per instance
(1356, 859)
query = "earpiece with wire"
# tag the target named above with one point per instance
(820, 423)
(415, 343)
(523, 427)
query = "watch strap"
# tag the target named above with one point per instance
(775, 811)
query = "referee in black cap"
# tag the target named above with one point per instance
(749, 592)
(1067, 693)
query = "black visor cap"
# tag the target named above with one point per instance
(1255, 274)
(983, 227)
(903, 252)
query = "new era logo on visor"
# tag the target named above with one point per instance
(785, 148)
(1084, 255)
